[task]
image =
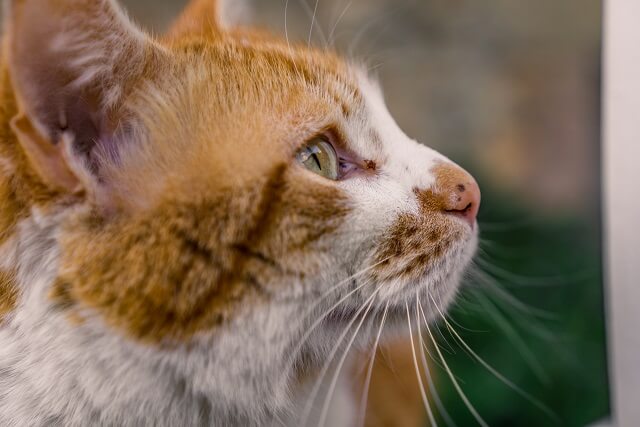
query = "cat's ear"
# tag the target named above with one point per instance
(71, 63)
(210, 17)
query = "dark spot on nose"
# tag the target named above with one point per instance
(461, 188)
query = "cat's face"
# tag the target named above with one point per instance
(234, 173)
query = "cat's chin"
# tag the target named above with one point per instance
(424, 299)
(418, 301)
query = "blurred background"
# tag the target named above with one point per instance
(510, 90)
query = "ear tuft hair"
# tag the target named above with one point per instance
(210, 17)
(71, 64)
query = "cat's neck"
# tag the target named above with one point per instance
(55, 367)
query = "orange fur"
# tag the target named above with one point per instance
(200, 213)
(394, 392)
(200, 18)
(8, 294)
(180, 90)
(210, 265)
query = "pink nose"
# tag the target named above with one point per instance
(465, 201)
(458, 192)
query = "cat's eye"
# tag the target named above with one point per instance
(319, 157)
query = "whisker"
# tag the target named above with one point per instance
(507, 226)
(528, 322)
(530, 318)
(286, 33)
(526, 353)
(361, 32)
(426, 350)
(464, 328)
(508, 298)
(432, 387)
(532, 322)
(334, 380)
(286, 30)
(338, 285)
(444, 338)
(497, 374)
(452, 377)
(423, 393)
(327, 364)
(313, 21)
(365, 389)
(335, 25)
(540, 281)
(318, 321)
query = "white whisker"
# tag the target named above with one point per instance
(423, 393)
(313, 21)
(426, 350)
(432, 388)
(497, 290)
(539, 281)
(515, 338)
(491, 369)
(334, 380)
(365, 388)
(318, 321)
(325, 367)
(341, 283)
(335, 25)
(286, 30)
(463, 396)
(449, 348)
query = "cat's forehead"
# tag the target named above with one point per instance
(299, 86)
(273, 63)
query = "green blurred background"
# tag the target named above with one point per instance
(510, 90)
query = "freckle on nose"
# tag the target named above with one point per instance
(455, 192)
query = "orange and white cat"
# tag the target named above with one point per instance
(189, 223)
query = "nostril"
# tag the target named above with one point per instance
(468, 212)
(461, 211)
(454, 192)
(464, 201)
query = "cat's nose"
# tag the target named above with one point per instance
(459, 192)
(455, 192)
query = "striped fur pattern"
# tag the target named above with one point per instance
(162, 254)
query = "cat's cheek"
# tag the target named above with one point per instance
(422, 253)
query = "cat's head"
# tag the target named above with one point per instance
(213, 174)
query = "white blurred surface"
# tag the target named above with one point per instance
(622, 210)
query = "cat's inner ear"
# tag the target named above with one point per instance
(207, 18)
(71, 64)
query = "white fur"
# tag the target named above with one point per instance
(404, 165)
(95, 46)
(52, 369)
(56, 371)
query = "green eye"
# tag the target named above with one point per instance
(319, 157)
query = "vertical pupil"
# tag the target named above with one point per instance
(317, 160)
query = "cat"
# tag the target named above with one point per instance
(191, 223)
